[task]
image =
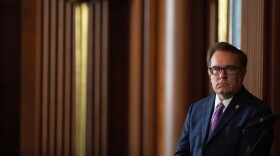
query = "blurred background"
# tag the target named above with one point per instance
(116, 77)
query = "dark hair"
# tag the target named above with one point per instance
(224, 46)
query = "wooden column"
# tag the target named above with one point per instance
(47, 93)
(145, 58)
(135, 78)
(272, 66)
(97, 104)
(181, 73)
(30, 78)
(252, 43)
(150, 21)
(260, 40)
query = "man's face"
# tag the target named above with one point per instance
(226, 85)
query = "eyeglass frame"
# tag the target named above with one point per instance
(225, 69)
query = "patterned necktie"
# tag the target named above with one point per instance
(216, 117)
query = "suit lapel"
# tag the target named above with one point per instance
(206, 116)
(233, 107)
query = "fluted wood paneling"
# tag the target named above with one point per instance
(45, 73)
(105, 78)
(53, 74)
(212, 22)
(180, 62)
(97, 104)
(135, 78)
(260, 40)
(146, 65)
(60, 76)
(131, 54)
(93, 121)
(149, 74)
(128, 65)
(30, 118)
(252, 43)
(69, 107)
(272, 66)
(52, 78)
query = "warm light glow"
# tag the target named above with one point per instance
(169, 75)
(81, 34)
(223, 20)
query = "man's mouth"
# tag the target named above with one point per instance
(222, 84)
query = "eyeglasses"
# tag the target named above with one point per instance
(229, 70)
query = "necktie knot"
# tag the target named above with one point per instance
(216, 117)
(220, 106)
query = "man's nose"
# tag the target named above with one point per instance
(223, 74)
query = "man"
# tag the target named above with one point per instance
(214, 125)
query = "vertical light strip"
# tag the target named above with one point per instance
(169, 73)
(81, 32)
(231, 23)
(223, 20)
(235, 23)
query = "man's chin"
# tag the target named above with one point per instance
(222, 91)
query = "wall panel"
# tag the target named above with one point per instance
(272, 66)
(146, 65)
(180, 65)
(30, 118)
(49, 50)
(149, 75)
(260, 40)
(69, 107)
(252, 43)
(136, 114)
(97, 104)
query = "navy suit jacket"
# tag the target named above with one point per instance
(227, 138)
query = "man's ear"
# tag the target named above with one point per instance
(209, 73)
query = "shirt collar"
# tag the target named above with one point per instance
(225, 102)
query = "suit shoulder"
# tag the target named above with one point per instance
(205, 100)
(254, 103)
(253, 100)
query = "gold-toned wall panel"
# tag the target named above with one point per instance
(81, 64)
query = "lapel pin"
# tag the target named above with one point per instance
(237, 106)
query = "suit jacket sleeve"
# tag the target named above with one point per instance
(183, 147)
